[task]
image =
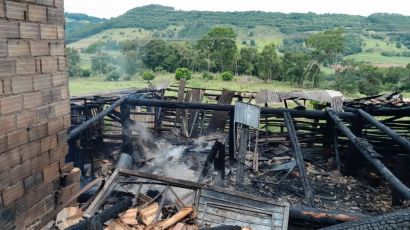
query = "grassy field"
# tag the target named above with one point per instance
(84, 86)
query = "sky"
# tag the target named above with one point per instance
(113, 8)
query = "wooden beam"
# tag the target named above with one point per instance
(388, 131)
(366, 149)
(299, 159)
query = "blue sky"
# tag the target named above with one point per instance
(113, 8)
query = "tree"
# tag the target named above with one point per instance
(227, 76)
(73, 61)
(183, 73)
(219, 43)
(100, 63)
(148, 76)
(328, 46)
(154, 54)
(269, 63)
(371, 77)
(113, 76)
(248, 61)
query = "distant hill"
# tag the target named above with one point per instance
(383, 38)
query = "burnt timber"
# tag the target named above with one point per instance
(370, 142)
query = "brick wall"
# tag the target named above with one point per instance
(34, 113)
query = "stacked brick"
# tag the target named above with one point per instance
(34, 113)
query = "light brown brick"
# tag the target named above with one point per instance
(61, 63)
(26, 66)
(55, 16)
(48, 143)
(7, 67)
(43, 113)
(22, 84)
(8, 124)
(57, 48)
(18, 48)
(60, 32)
(3, 143)
(9, 30)
(21, 171)
(62, 108)
(67, 121)
(3, 48)
(73, 176)
(42, 163)
(65, 94)
(2, 9)
(34, 196)
(59, 4)
(5, 86)
(49, 65)
(58, 153)
(12, 193)
(4, 181)
(37, 131)
(33, 180)
(11, 104)
(48, 31)
(42, 82)
(62, 137)
(60, 79)
(9, 160)
(56, 94)
(37, 13)
(30, 151)
(39, 48)
(47, 96)
(55, 125)
(16, 10)
(29, 30)
(17, 138)
(51, 172)
(46, 2)
(31, 100)
(25, 118)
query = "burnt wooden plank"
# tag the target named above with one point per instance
(218, 120)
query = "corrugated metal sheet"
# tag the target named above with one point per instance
(335, 98)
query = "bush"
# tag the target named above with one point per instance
(227, 76)
(85, 73)
(207, 76)
(127, 78)
(388, 54)
(113, 76)
(183, 73)
(148, 76)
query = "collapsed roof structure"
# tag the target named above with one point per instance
(258, 167)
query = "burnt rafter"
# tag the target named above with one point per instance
(299, 159)
(388, 131)
(366, 149)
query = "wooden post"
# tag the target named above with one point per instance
(127, 146)
(232, 135)
(402, 165)
(240, 174)
(336, 148)
(299, 159)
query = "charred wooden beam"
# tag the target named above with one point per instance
(299, 159)
(366, 149)
(218, 107)
(388, 131)
(75, 132)
(127, 146)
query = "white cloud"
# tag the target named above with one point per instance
(113, 8)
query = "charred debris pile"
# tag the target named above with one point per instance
(174, 157)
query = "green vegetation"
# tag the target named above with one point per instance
(227, 76)
(183, 73)
(353, 54)
(148, 76)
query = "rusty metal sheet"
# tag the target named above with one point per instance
(247, 114)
